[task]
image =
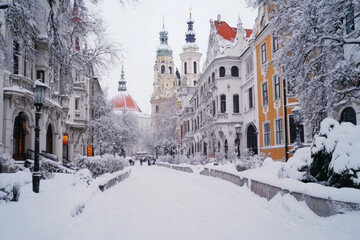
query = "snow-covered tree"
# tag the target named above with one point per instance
(319, 54)
(112, 133)
(162, 137)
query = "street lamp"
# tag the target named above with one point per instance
(39, 97)
(297, 122)
(238, 131)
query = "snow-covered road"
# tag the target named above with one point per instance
(164, 204)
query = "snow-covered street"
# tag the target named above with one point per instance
(160, 203)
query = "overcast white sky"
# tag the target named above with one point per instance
(137, 30)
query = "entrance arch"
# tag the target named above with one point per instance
(19, 136)
(348, 115)
(251, 137)
(49, 139)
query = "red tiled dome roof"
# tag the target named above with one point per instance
(227, 32)
(124, 100)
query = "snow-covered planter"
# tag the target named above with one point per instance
(100, 165)
(249, 161)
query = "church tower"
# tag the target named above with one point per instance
(190, 67)
(190, 56)
(164, 83)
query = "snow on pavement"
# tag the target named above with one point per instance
(161, 203)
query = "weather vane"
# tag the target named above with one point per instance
(190, 8)
(163, 20)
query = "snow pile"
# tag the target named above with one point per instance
(99, 165)
(297, 166)
(7, 164)
(82, 177)
(10, 184)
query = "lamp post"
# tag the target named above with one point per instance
(39, 97)
(238, 131)
(297, 121)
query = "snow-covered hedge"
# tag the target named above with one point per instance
(249, 161)
(333, 159)
(100, 165)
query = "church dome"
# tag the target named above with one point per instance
(123, 101)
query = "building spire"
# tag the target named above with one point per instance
(122, 82)
(190, 34)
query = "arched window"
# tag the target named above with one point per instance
(234, 71)
(222, 71)
(157, 109)
(202, 89)
(213, 77)
(170, 70)
(19, 136)
(348, 115)
(251, 138)
(223, 103)
(162, 69)
(77, 44)
(185, 67)
(209, 80)
(236, 103)
(195, 67)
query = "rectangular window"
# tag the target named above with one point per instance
(266, 134)
(223, 103)
(214, 108)
(25, 68)
(40, 74)
(292, 127)
(276, 87)
(279, 132)
(275, 44)
(251, 102)
(265, 93)
(263, 52)
(16, 56)
(349, 21)
(77, 104)
(236, 103)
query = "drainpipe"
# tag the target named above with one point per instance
(285, 122)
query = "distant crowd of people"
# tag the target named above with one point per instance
(149, 159)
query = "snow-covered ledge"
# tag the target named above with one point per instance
(323, 201)
(110, 180)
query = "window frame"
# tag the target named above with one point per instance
(266, 135)
(265, 93)
(275, 43)
(251, 97)
(279, 131)
(236, 105)
(222, 71)
(277, 87)
(223, 103)
(263, 52)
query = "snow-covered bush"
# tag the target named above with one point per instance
(10, 185)
(167, 159)
(100, 165)
(298, 166)
(49, 167)
(248, 160)
(196, 160)
(82, 177)
(335, 152)
(7, 164)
